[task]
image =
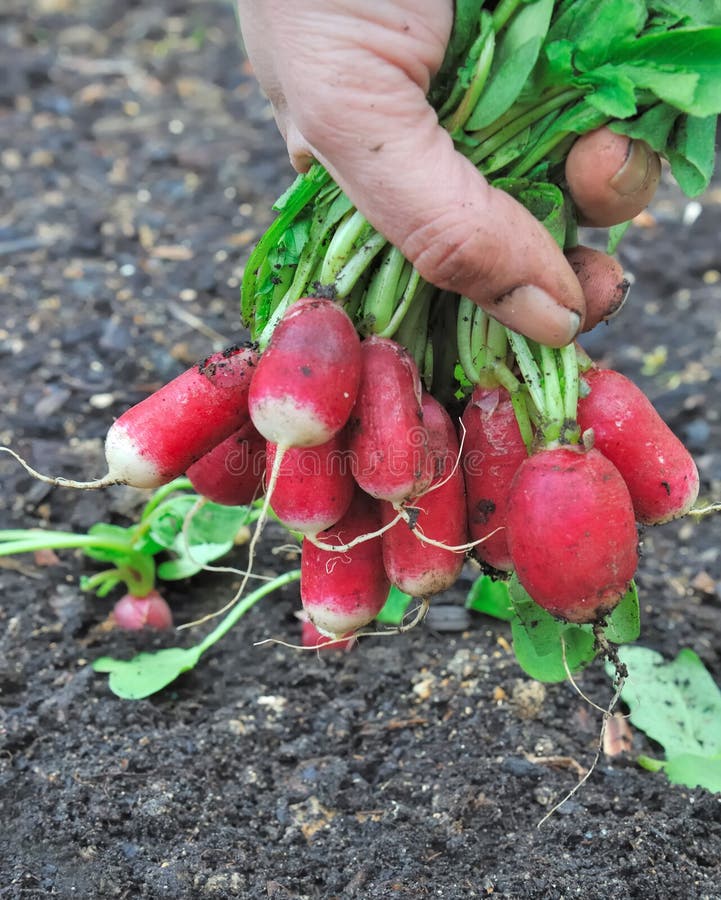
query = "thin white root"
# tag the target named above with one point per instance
(607, 714)
(360, 539)
(230, 570)
(419, 616)
(700, 511)
(460, 548)
(436, 484)
(257, 531)
(59, 481)
(321, 646)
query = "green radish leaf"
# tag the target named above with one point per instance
(614, 93)
(544, 200)
(668, 83)
(191, 560)
(610, 22)
(145, 544)
(677, 704)
(395, 607)
(166, 522)
(682, 50)
(653, 126)
(114, 533)
(693, 771)
(491, 597)
(147, 673)
(615, 235)
(216, 524)
(572, 22)
(557, 63)
(516, 54)
(541, 641)
(623, 625)
(691, 152)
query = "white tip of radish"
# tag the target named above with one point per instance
(126, 464)
(337, 624)
(277, 418)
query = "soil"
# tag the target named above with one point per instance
(139, 163)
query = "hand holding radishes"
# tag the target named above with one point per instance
(349, 85)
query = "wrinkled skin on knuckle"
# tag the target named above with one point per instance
(446, 253)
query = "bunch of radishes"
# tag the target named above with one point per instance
(386, 487)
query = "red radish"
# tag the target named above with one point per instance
(134, 613)
(572, 533)
(159, 438)
(314, 485)
(387, 439)
(660, 473)
(307, 378)
(493, 449)
(232, 473)
(416, 567)
(311, 637)
(343, 591)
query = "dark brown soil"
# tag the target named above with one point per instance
(138, 165)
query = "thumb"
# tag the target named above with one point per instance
(382, 143)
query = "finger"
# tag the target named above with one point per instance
(611, 178)
(604, 285)
(388, 152)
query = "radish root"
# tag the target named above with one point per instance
(59, 481)
(257, 531)
(610, 653)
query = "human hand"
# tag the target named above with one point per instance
(348, 85)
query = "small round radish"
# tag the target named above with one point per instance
(134, 613)
(417, 567)
(493, 449)
(314, 486)
(388, 441)
(572, 533)
(232, 473)
(307, 378)
(160, 437)
(344, 590)
(661, 475)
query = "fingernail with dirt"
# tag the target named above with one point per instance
(623, 289)
(638, 169)
(532, 311)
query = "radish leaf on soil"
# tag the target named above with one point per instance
(677, 704)
(148, 673)
(540, 641)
